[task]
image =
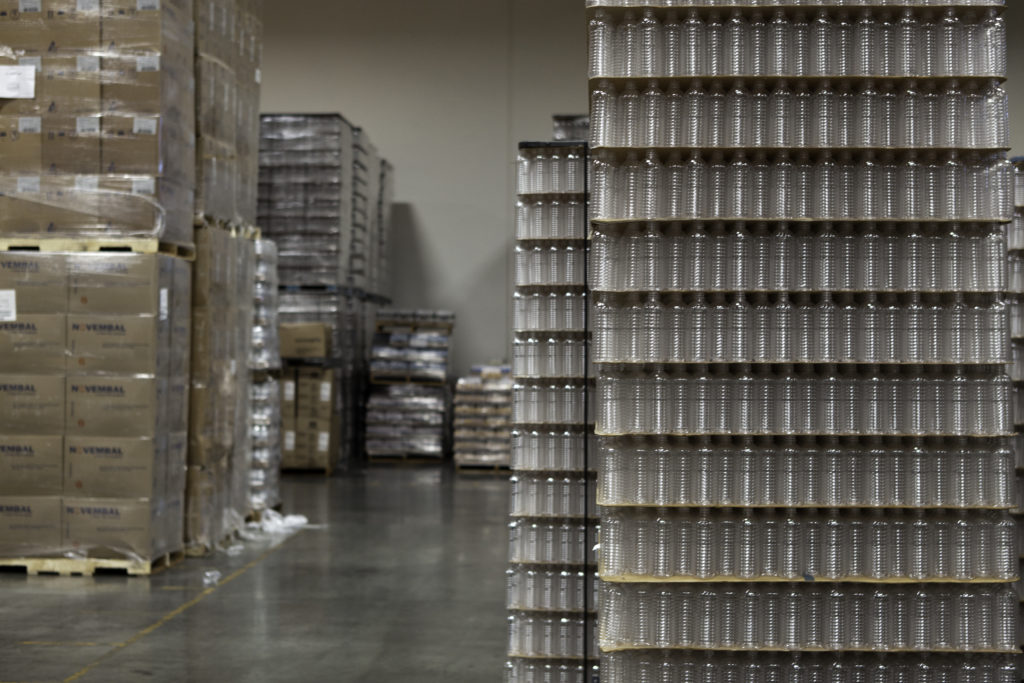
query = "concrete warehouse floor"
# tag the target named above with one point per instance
(403, 582)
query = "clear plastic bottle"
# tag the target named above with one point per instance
(601, 45)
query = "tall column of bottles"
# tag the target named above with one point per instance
(551, 576)
(803, 413)
(1015, 294)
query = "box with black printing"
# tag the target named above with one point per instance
(31, 465)
(305, 340)
(39, 281)
(21, 145)
(30, 526)
(36, 341)
(31, 404)
(120, 284)
(111, 527)
(115, 405)
(112, 467)
(123, 344)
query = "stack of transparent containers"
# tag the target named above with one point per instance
(265, 384)
(551, 576)
(803, 413)
(1015, 295)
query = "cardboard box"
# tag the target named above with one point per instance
(289, 396)
(177, 466)
(172, 514)
(305, 340)
(315, 397)
(21, 145)
(124, 344)
(318, 441)
(71, 144)
(290, 456)
(31, 465)
(30, 526)
(39, 281)
(111, 527)
(31, 404)
(108, 467)
(120, 284)
(115, 405)
(36, 341)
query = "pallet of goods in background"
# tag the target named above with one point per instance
(97, 213)
(325, 199)
(1015, 303)
(482, 422)
(407, 410)
(265, 388)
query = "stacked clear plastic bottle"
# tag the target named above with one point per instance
(552, 568)
(1015, 297)
(797, 221)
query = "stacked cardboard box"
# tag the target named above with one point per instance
(482, 426)
(411, 346)
(310, 423)
(101, 142)
(265, 392)
(220, 425)
(229, 46)
(93, 404)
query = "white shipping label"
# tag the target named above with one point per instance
(88, 5)
(323, 440)
(147, 63)
(87, 125)
(165, 303)
(259, 76)
(289, 391)
(88, 63)
(8, 306)
(28, 184)
(18, 82)
(30, 124)
(143, 5)
(289, 441)
(144, 125)
(144, 186)
(30, 5)
(325, 392)
(87, 183)
(34, 62)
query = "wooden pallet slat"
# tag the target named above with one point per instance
(89, 566)
(135, 245)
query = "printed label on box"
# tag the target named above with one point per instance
(18, 82)
(34, 62)
(143, 186)
(147, 63)
(88, 63)
(88, 5)
(165, 303)
(87, 125)
(87, 183)
(28, 184)
(30, 5)
(289, 391)
(325, 392)
(144, 125)
(259, 76)
(30, 124)
(323, 440)
(289, 441)
(8, 305)
(143, 5)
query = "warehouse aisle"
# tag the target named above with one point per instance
(404, 581)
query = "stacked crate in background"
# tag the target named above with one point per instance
(265, 389)
(228, 53)
(97, 156)
(551, 575)
(803, 413)
(482, 425)
(325, 198)
(310, 421)
(407, 410)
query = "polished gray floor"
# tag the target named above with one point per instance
(403, 580)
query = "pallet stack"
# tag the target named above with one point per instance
(265, 387)
(96, 175)
(325, 199)
(407, 413)
(551, 576)
(780, 497)
(1015, 304)
(482, 426)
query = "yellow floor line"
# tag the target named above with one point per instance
(48, 643)
(173, 613)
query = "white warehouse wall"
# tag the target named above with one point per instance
(445, 90)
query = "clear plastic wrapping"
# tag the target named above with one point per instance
(483, 439)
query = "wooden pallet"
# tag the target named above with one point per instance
(141, 245)
(89, 566)
(404, 459)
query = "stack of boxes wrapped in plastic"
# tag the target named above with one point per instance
(96, 152)
(265, 389)
(325, 199)
(551, 579)
(228, 53)
(803, 413)
(482, 425)
(407, 411)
